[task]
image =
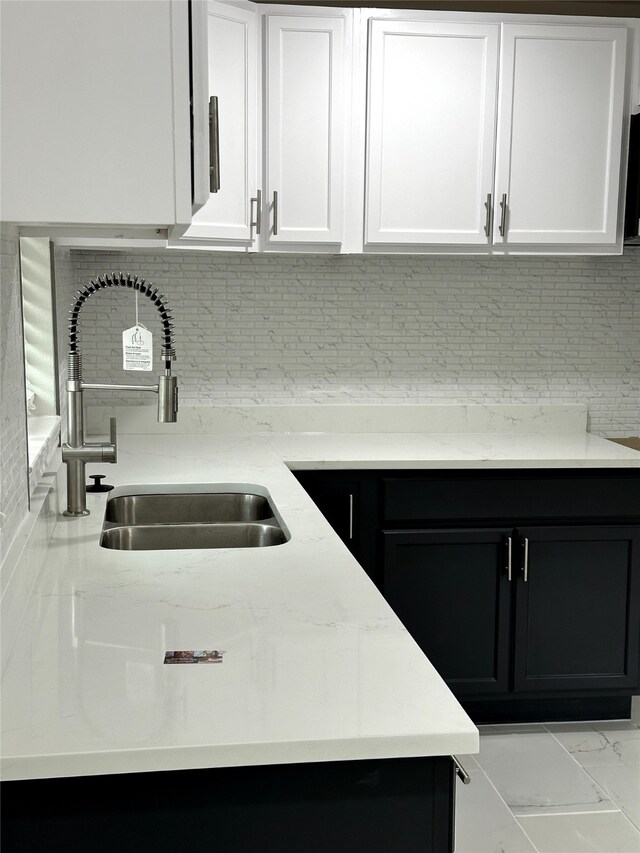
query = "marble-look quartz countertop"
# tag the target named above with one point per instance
(316, 666)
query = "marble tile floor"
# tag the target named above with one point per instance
(552, 788)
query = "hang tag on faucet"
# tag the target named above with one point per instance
(137, 348)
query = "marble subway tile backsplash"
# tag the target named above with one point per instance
(301, 329)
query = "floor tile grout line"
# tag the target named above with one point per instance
(551, 814)
(616, 810)
(507, 806)
(598, 787)
(613, 799)
(626, 816)
(607, 798)
(610, 796)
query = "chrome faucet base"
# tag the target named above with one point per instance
(70, 514)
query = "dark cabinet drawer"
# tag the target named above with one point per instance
(551, 495)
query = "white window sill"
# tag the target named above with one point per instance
(44, 431)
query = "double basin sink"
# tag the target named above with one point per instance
(170, 520)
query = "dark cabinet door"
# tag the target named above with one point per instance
(451, 590)
(339, 501)
(577, 624)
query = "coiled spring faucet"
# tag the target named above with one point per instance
(77, 452)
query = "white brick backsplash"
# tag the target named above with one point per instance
(295, 329)
(13, 429)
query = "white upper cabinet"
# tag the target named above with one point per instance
(304, 134)
(233, 82)
(95, 114)
(560, 135)
(431, 131)
(433, 135)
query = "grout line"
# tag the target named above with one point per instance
(628, 819)
(613, 799)
(582, 811)
(507, 806)
(606, 794)
(589, 728)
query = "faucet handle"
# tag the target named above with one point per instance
(113, 438)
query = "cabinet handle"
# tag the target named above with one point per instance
(275, 213)
(257, 223)
(350, 516)
(214, 145)
(509, 544)
(489, 216)
(525, 561)
(503, 215)
(461, 773)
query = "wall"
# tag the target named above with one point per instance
(13, 430)
(374, 329)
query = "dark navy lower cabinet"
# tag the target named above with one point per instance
(451, 589)
(502, 612)
(577, 609)
(522, 587)
(349, 503)
(403, 805)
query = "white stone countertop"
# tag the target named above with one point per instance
(316, 665)
(452, 450)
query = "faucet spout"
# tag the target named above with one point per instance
(76, 452)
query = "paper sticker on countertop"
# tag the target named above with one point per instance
(137, 348)
(198, 656)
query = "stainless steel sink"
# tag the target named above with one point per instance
(168, 520)
(163, 537)
(210, 508)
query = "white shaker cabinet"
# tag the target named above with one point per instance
(233, 81)
(96, 115)
(431, 131)
(495, 137)
(305, 86)
(562, 104)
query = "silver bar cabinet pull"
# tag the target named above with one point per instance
(509, 544)
(525, 562)
(461, 773)
(275, 213)
(350, 516)
(503, 215)
(488, 218)
(257, 223)
(214, 145)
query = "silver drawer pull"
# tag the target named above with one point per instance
(350, 516)
(461, 773)
(503, 215)
(275, 213)
(509, 552)
(257, 222)
(214, 145)
(525, 561)
(488, 217)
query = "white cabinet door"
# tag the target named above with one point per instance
(233, 80)
(560, 134)
(305, 69)
(430, 151)
(95, 113)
